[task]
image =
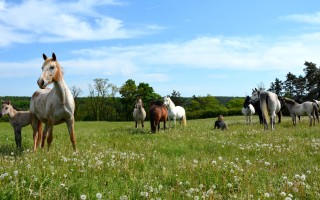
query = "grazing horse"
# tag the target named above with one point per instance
(139, 114)
(309, 108)
(52, 106)
(269, 103)
(248, 110)
(17, 119)
(157, 114)
(175, 112)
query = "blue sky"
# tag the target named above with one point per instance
(221, 48)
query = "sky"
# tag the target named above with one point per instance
(207, 47)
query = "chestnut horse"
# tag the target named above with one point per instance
(157, 114)
(17, 119)
(52, 106)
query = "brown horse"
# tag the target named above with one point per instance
(17, 119)
(157, 114)
(52, 106)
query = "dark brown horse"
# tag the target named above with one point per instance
(157, 114)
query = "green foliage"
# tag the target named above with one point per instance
(119, 162)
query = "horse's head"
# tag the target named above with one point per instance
(247, 101)
(166, 100)
(6, 108)
(139, 103)
(51, 71)
(255, 94)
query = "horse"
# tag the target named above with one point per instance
(256, 105)
(17, 119)
(317, 102)
(51, 106)
(309, 108)
(269, 103)
(139, 114)
(248, 110)
(157, 114)
(175, 112)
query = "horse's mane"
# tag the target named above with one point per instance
(289, 101)
(157, 102)
(246, 102)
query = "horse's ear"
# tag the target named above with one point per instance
(54, 57)
(44, 56)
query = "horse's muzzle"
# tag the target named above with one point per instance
(41, 83)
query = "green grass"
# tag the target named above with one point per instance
(195, 162)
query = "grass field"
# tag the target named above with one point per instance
(116, 161)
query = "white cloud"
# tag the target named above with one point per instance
(57, 21)
(255, 53)
(313, 18)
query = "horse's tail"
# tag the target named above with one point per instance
(315, 110)
(264, 107)
(184, 120)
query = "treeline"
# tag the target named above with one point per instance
(299, 87)
(104, 103)
(107, 102)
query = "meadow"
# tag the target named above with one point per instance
(116, 161)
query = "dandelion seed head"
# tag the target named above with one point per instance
(99, 195)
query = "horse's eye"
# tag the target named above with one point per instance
(6, 108)
(51, 67)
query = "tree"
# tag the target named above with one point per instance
(289, 85)
(300, 87)
(312, 78)
(128, 93)
(176, 98)
(276, 87)
(75, 91)
(98, 97)
(261, 86)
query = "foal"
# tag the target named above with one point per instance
(17, 119)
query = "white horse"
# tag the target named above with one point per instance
(139, 113)
(52, 106)
(309, 108)
(248, 110)
(269, 104)
(175, 112)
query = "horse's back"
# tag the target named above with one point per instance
(180, 112)
(21, 119)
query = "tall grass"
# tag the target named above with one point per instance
(116, 161)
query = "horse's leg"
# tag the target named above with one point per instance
(70, 124)
(36, 127)
(174, 121)
(136, 124)
(17, 136)
(50, 134)
(310, 119)
(273, 120)
(44, 136)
